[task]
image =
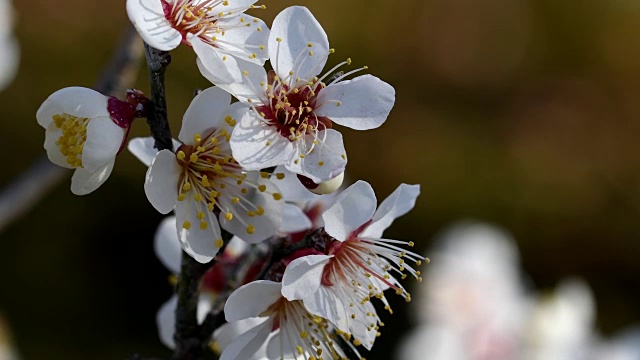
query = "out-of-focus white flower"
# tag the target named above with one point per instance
(293, 108)
(85, 130)
(561, 324)
(471, 304)
(273, 325)
(9, 60)
(359, 263)
(205, 185)
(218, 30)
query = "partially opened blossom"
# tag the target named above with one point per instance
(358, 265)
(85, 130)
(294, 107)
(218, 30)
(285, 329)
(205, 185)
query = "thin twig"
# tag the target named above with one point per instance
(157, 62)
(25, 191)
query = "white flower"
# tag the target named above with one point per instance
(202, 181)
(359, 263)
(9, 60)
(283, 329)
(81, 134)
(218, 30)
(293, 109)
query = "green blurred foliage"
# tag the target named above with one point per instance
(523, 113)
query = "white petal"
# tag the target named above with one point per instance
(362, 103)
(199, 243)
(86, 181)
(256, 145)
(205, 304)
(205, 112)
(52, 134)
(400, 202)
(351, 209)
(161, 182)
(104, 140)
(167, 246)
(265, 225)
(166, 321)
(303, 275)
(228, 332)
(154, 28)
(326, 304)
(236, 247)
(252, 86)
(214, 64)
(244, 41)
(245, 346)
(294, 220)
(235, 7)
(291, 188)
(327, 160)
(76, 101)
(143, 149)
(297, 28)
(251, 300)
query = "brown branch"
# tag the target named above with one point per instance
(24, 192)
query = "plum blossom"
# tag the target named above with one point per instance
(218, 30)
(293, 107)
(85, 130)
(204, 184)
(275, 326)
(358, 264)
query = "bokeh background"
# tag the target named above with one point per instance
(523, 113)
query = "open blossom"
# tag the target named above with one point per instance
(282, 328)
(358, 264)
(293, 107)
(205, 185)
(85, 130)
(218, 30)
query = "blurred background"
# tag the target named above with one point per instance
(521, 113)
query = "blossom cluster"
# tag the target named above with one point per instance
(264, 168)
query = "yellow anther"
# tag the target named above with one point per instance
(214, 140)
(278, 39)
(186, 225)
(260, 210)
(251, 229)
(304, 335)
(349, 61)
(264, 175)
(193, 157)
(197, 197)
(201, 215)
(320, 163)
(197, 138)
(332, 50)
(228, 216)
(210, 206)
(280, 176)
(411, 244)
(357, 342)
(204, 225)
(277, 196)
(262, 188)
(186, 186)
(181, 197)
